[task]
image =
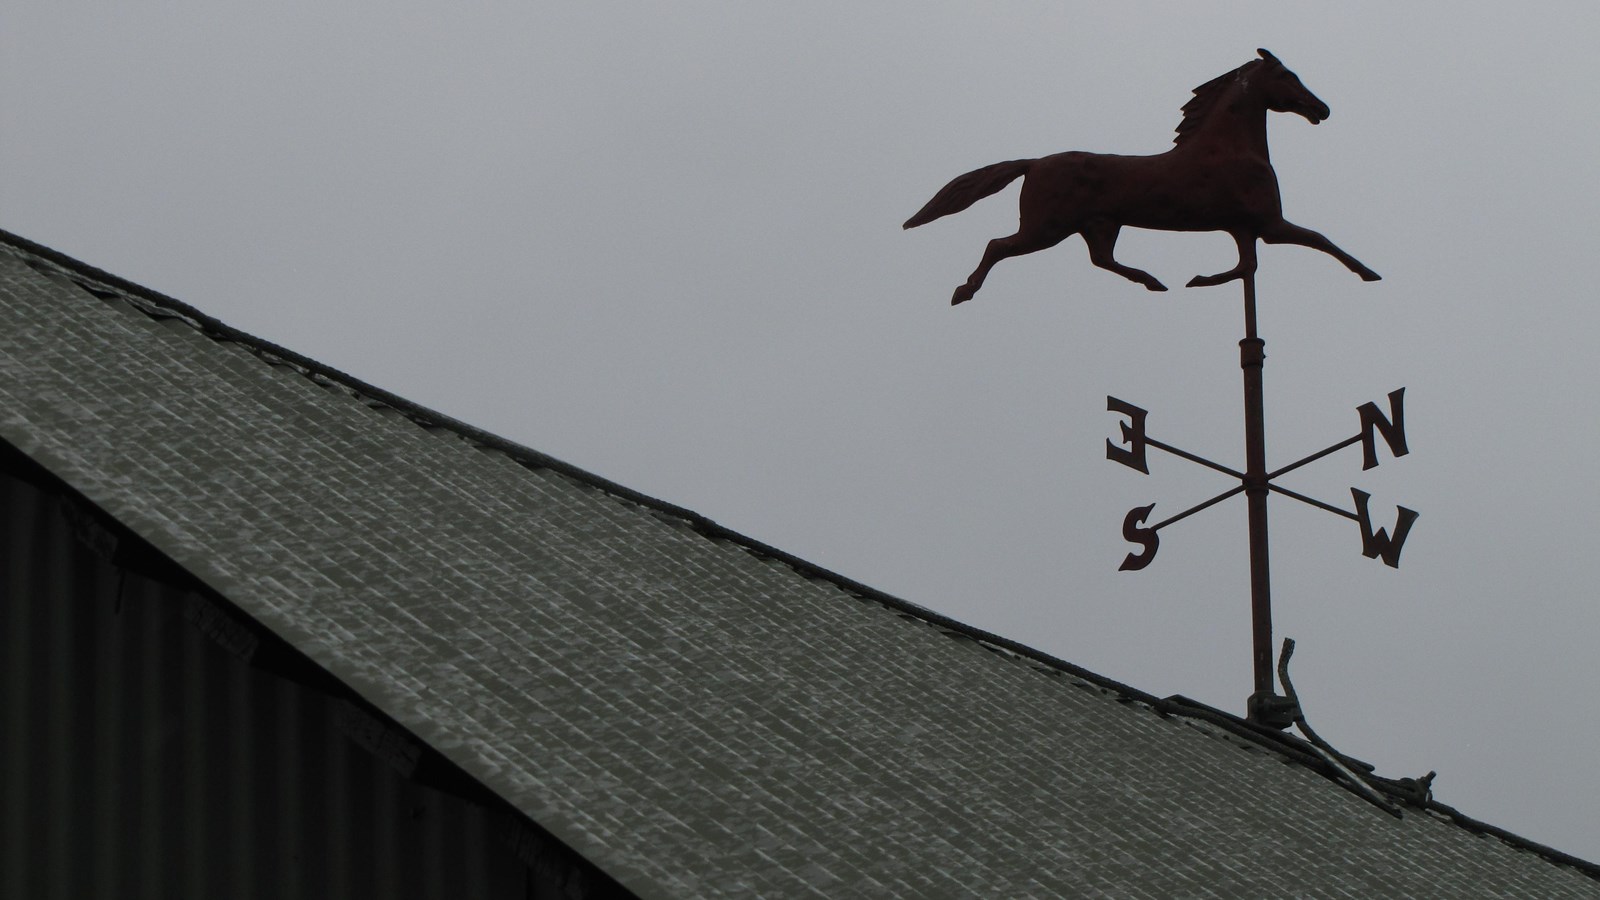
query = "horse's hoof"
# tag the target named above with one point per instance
(1369, 275)
(1155, 285)
(1213, 280)
(963, 294)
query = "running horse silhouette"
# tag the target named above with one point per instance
(1217, 177)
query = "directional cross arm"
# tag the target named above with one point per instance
(1134, 455)
(1379, 543)
(1314, 457)
(1197, 507)
(1193, 458)
(1392, 428)
(1136, 532)
(1317, 503)
(1376, 543)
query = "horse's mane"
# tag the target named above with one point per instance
(1205, 100)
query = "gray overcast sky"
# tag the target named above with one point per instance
(663, 242)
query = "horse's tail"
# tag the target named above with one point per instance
(968, 189)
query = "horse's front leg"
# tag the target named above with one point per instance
(1247, 263)
(1283, 232)
(1101, 237)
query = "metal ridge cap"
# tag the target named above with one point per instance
(1550, 854)
(215, 327)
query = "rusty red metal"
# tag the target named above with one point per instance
(1217, 177)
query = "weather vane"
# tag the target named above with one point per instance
(1217, 177)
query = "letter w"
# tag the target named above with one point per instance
(1379, 543)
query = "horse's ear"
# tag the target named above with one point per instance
(1267, 55)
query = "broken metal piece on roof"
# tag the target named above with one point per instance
(1418, 791)
(1325, 750)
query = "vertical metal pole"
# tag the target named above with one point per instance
(1252, 353)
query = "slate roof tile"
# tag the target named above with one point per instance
(696, 713)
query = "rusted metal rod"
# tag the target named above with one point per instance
(1252, 355)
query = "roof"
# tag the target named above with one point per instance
(697, 714)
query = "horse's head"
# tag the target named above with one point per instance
(1281, 90)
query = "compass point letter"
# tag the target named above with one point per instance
(1132, 434)
(1134, 533)
(1380, 543)
(1393, 428)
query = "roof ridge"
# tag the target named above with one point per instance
(429, 417)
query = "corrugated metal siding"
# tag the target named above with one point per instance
(142, 757)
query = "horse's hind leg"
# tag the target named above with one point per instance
(1283, 232)
(1101, 236)
(1024, 241)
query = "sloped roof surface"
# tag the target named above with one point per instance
(697, 719)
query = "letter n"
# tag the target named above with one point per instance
(1392, 428)
(1380, 543)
